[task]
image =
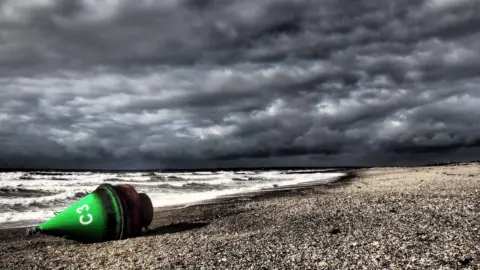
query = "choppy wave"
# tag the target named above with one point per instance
(11, 192)
(32, 197)
(41, 201)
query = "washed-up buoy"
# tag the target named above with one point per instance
(108, 213)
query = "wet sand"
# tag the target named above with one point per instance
(379, 218)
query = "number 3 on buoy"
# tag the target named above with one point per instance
(84, 220)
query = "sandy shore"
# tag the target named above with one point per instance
(385, 218)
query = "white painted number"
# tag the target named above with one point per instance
(84, 220)
(84, 207)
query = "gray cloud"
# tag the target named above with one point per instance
(116, 84)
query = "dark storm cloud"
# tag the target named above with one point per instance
(238, 83)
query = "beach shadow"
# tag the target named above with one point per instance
(175, 228)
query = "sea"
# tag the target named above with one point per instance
(30, 197)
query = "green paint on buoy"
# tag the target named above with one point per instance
(117, 215)
(84, 220)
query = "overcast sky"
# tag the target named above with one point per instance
(192, 83)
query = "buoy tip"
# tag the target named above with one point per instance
(32, 230)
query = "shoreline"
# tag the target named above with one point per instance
(392, 218)
(268, 192)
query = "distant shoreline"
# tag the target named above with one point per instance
(234, 169)
(215, 169)
(270, 193)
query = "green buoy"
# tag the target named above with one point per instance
(108, 213)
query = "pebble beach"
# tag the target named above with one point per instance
(376, 218)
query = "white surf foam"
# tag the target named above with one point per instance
(177, 198)
(211, 185)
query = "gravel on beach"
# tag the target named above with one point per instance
(382, 218)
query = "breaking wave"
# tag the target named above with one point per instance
(9, 192)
